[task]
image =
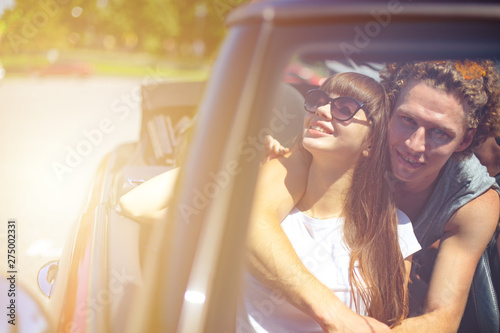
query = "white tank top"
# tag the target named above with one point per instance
(320, 246)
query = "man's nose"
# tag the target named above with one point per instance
(416, 142)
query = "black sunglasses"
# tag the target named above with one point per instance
(342, 108)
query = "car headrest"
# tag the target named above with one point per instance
(288, 115)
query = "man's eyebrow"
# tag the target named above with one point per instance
(401, 109)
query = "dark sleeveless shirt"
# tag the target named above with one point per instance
(460, 182)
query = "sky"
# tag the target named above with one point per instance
(5, 4)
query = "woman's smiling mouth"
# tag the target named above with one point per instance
(318, 128)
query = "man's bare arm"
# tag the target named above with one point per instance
(272, 259)
(467, 234)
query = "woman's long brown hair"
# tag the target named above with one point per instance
(370, 229)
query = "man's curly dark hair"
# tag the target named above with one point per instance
(474, 82)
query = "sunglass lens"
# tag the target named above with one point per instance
(343, 108)
(315, 99)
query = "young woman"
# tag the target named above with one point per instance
(345, 229)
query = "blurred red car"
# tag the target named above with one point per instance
(71, 68)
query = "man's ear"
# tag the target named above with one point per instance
(467, 139)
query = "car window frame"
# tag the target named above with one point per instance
(231, 75)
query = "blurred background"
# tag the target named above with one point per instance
(70, 78)
(109, 37)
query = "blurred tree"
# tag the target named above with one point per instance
(184, 28)
(33, 25)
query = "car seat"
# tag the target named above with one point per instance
(481, 313)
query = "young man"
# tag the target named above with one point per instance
(441, 111)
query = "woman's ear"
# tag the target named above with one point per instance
(366, 151)
(367, 145)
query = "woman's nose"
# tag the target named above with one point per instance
(324, 111)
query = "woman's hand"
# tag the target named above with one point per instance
(147, 203)
(273, 149)
(354, 323)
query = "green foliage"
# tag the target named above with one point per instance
(170, 28)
